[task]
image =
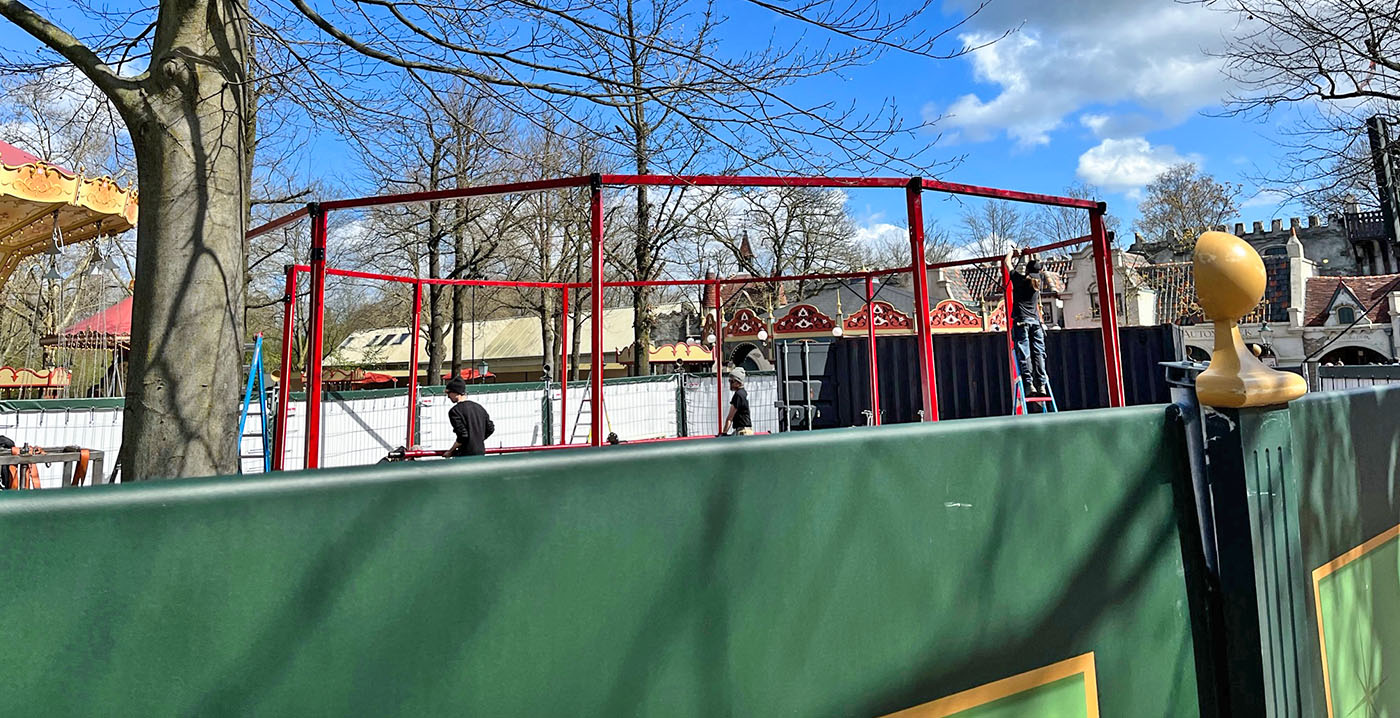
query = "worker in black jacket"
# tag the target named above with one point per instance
(470, 422)
(1026, 329)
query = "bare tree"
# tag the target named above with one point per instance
(1340, 59)
(891, 251)
(779, 231)
(191, 115)
(992, 228)
(1057, 224)
(1182, 202)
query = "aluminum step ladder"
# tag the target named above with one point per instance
(1020, 403)
(586, 407)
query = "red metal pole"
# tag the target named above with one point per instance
(596, 354)
(564, 370)
(718, 350)
(1108, 307)
(284, 387)
(874, 362)
(1016, 407)
(413, 364)
(916, 250)
(314, 344)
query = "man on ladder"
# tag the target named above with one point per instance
(1027, 330)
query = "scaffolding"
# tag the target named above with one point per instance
(318, 269)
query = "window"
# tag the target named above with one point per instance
(402, 338)
(1094, 302)
(1346, 315)
(1275, 252)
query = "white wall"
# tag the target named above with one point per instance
(362, 431)
(89, 428)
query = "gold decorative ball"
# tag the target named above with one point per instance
(1230, 275)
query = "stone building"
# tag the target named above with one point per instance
(1305, 314)
(1347, 244)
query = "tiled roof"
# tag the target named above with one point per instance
(1317, 297)
(1175, 284)
(973, 283)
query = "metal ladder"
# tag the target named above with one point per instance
(1020, 403)
(255, 372)
(586, 405)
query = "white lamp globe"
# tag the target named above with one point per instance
(710, 339)
(763, 335)
(836, 331)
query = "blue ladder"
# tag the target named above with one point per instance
(1020, 402)
(255, 372)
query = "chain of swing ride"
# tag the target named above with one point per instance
(81, 355)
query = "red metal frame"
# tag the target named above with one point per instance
(1007, 296)
(564, 369)
(284, 386)
(413, 365)
(1108, 307)
(597, 356)
(315, 349)
(874, 362)
(718, 351)
(929, 385)
(913, 187)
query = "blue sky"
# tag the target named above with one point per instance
(1107, 92)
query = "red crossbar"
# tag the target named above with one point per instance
(1013, 195)
(1029, 250)
(751, 181)
(460, 193)
(630, 180)
(282, 221)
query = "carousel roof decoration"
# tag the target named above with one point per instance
(23, 378)
(887, 319)
(951, 315)
(997, 321)
(746, 323)
(804, 319)
(107, 329)
(683, 352)
(44, 207)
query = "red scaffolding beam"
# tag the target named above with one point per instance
(319, 271)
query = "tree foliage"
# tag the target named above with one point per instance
(1182, 202)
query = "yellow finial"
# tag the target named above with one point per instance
(1230, 281)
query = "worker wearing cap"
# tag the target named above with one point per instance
(470, 422)
(738, 418)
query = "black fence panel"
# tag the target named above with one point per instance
(972, 374)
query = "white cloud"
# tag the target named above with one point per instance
(1075, 54)
(878, 233)
(1125, 165)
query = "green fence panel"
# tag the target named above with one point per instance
(1347, 452)
(840, 573)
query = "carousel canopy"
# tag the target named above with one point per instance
(36, 196)
(108, 328)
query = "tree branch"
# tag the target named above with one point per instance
(72, 49)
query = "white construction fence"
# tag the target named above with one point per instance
(363, 427)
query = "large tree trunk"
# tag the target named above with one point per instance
(436, 331)
(642, 319)
(459, 292)
(187, 130)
